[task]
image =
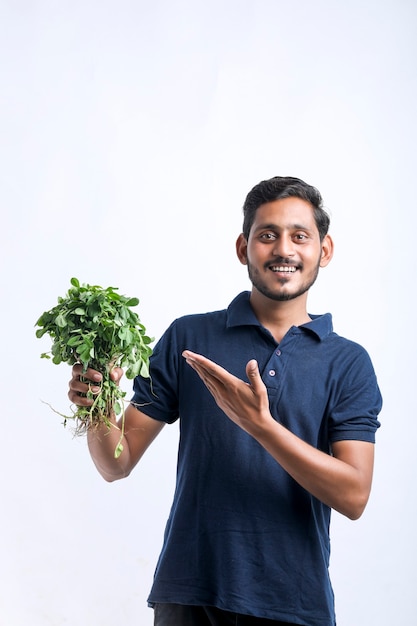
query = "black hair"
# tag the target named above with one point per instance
(280, 187)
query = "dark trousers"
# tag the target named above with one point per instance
(178, 615)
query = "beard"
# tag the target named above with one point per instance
(280, 294)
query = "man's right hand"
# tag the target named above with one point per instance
(90, 380)
(139, 429)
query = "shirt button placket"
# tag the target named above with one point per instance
(273, 372)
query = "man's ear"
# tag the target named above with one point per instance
(242, 249)
(327, 248)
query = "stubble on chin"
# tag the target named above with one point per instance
(279, 294)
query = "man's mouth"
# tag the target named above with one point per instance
(287, 269)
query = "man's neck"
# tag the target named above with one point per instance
(279, 316)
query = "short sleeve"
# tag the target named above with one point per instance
(157, 396)
(355, 414)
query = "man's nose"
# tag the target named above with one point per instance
(283, 247)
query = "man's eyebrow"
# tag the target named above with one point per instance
(272, 226)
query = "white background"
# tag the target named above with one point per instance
(130, 133)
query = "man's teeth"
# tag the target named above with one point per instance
(283, 268)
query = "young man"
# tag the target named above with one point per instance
(277, 427)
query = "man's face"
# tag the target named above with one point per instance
(284, 252)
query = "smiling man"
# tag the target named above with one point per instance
(284, 239)
(278, 416)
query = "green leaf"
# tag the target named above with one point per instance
(118, 451)
(61, 320)
(144, 369)
(74, 341)
(132, 302)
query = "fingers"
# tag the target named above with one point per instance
(92, 375)
(202, 365)
(83, 382)
(116, 374)
(254, 376)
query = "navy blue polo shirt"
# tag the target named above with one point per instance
(242, 535)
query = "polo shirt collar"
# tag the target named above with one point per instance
(240, 313)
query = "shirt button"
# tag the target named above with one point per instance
(271, 372)
(278, 352)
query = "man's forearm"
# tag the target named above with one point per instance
(342, 481)
(102, 443)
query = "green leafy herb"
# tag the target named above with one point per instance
(97, 328)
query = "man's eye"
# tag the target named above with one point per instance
(300, 236)
(268, 236)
